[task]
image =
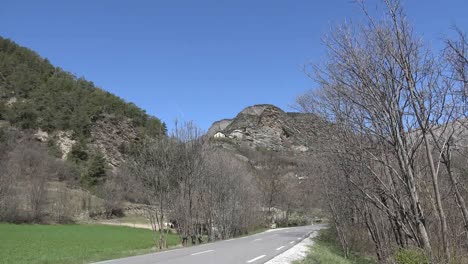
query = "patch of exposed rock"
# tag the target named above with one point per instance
(218, 126)
(41, 135)
(11, 101)
(65, 142)
(109, 135)
(63, 139)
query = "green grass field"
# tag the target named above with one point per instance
(326, 250)
(72, 243)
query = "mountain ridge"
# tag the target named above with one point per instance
(266, 126)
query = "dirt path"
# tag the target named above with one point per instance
(134, 225)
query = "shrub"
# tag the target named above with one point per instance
(411, 256)
(96, 170)
(111, 193)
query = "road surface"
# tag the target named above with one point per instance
(258, 248)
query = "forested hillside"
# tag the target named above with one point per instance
(60, 139)
(36, 95)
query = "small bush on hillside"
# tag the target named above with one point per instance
(78, 153)
(411, 256)
(54, 149)
(95, 172)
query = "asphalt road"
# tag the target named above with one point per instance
(258, 248)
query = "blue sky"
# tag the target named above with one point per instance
(200, 60)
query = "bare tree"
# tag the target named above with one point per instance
(8, 200)
(187, 176)
(387, 96)
(112, 193)
(32, 170)
(271, 182)
(151, 169)
(230, 195)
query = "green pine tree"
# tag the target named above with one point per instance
(96, 170)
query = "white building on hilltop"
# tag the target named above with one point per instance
(219, 135)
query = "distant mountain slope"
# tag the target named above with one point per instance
(36, 96)
(268, 127)
(279, 148)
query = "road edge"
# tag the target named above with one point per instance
(298, 251)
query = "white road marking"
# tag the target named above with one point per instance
(299, 238)
(258, 239)
(229, 240)
(255, 259)
(292, 242)
(194, 254)
(280, 248)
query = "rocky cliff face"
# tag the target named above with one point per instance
(109, 136)
(218, 126)
(270, 128)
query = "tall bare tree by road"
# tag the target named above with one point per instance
(152, 170)
(395, 112)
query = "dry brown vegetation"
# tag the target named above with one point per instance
(200, 190)
(27, 170)
(36, 187)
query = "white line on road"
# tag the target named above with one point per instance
(299, 238)
(292, 242)
(194, 254)
(255, 259)
(258, 239)
(280, 248)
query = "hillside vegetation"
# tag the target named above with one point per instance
(59, 135)
(35, 94)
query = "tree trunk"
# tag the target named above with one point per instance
(339, 230)
(423, 237)
(459, 197)
(440, 209)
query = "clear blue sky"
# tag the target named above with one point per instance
(200, 60)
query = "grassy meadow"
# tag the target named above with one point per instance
(73, 243)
